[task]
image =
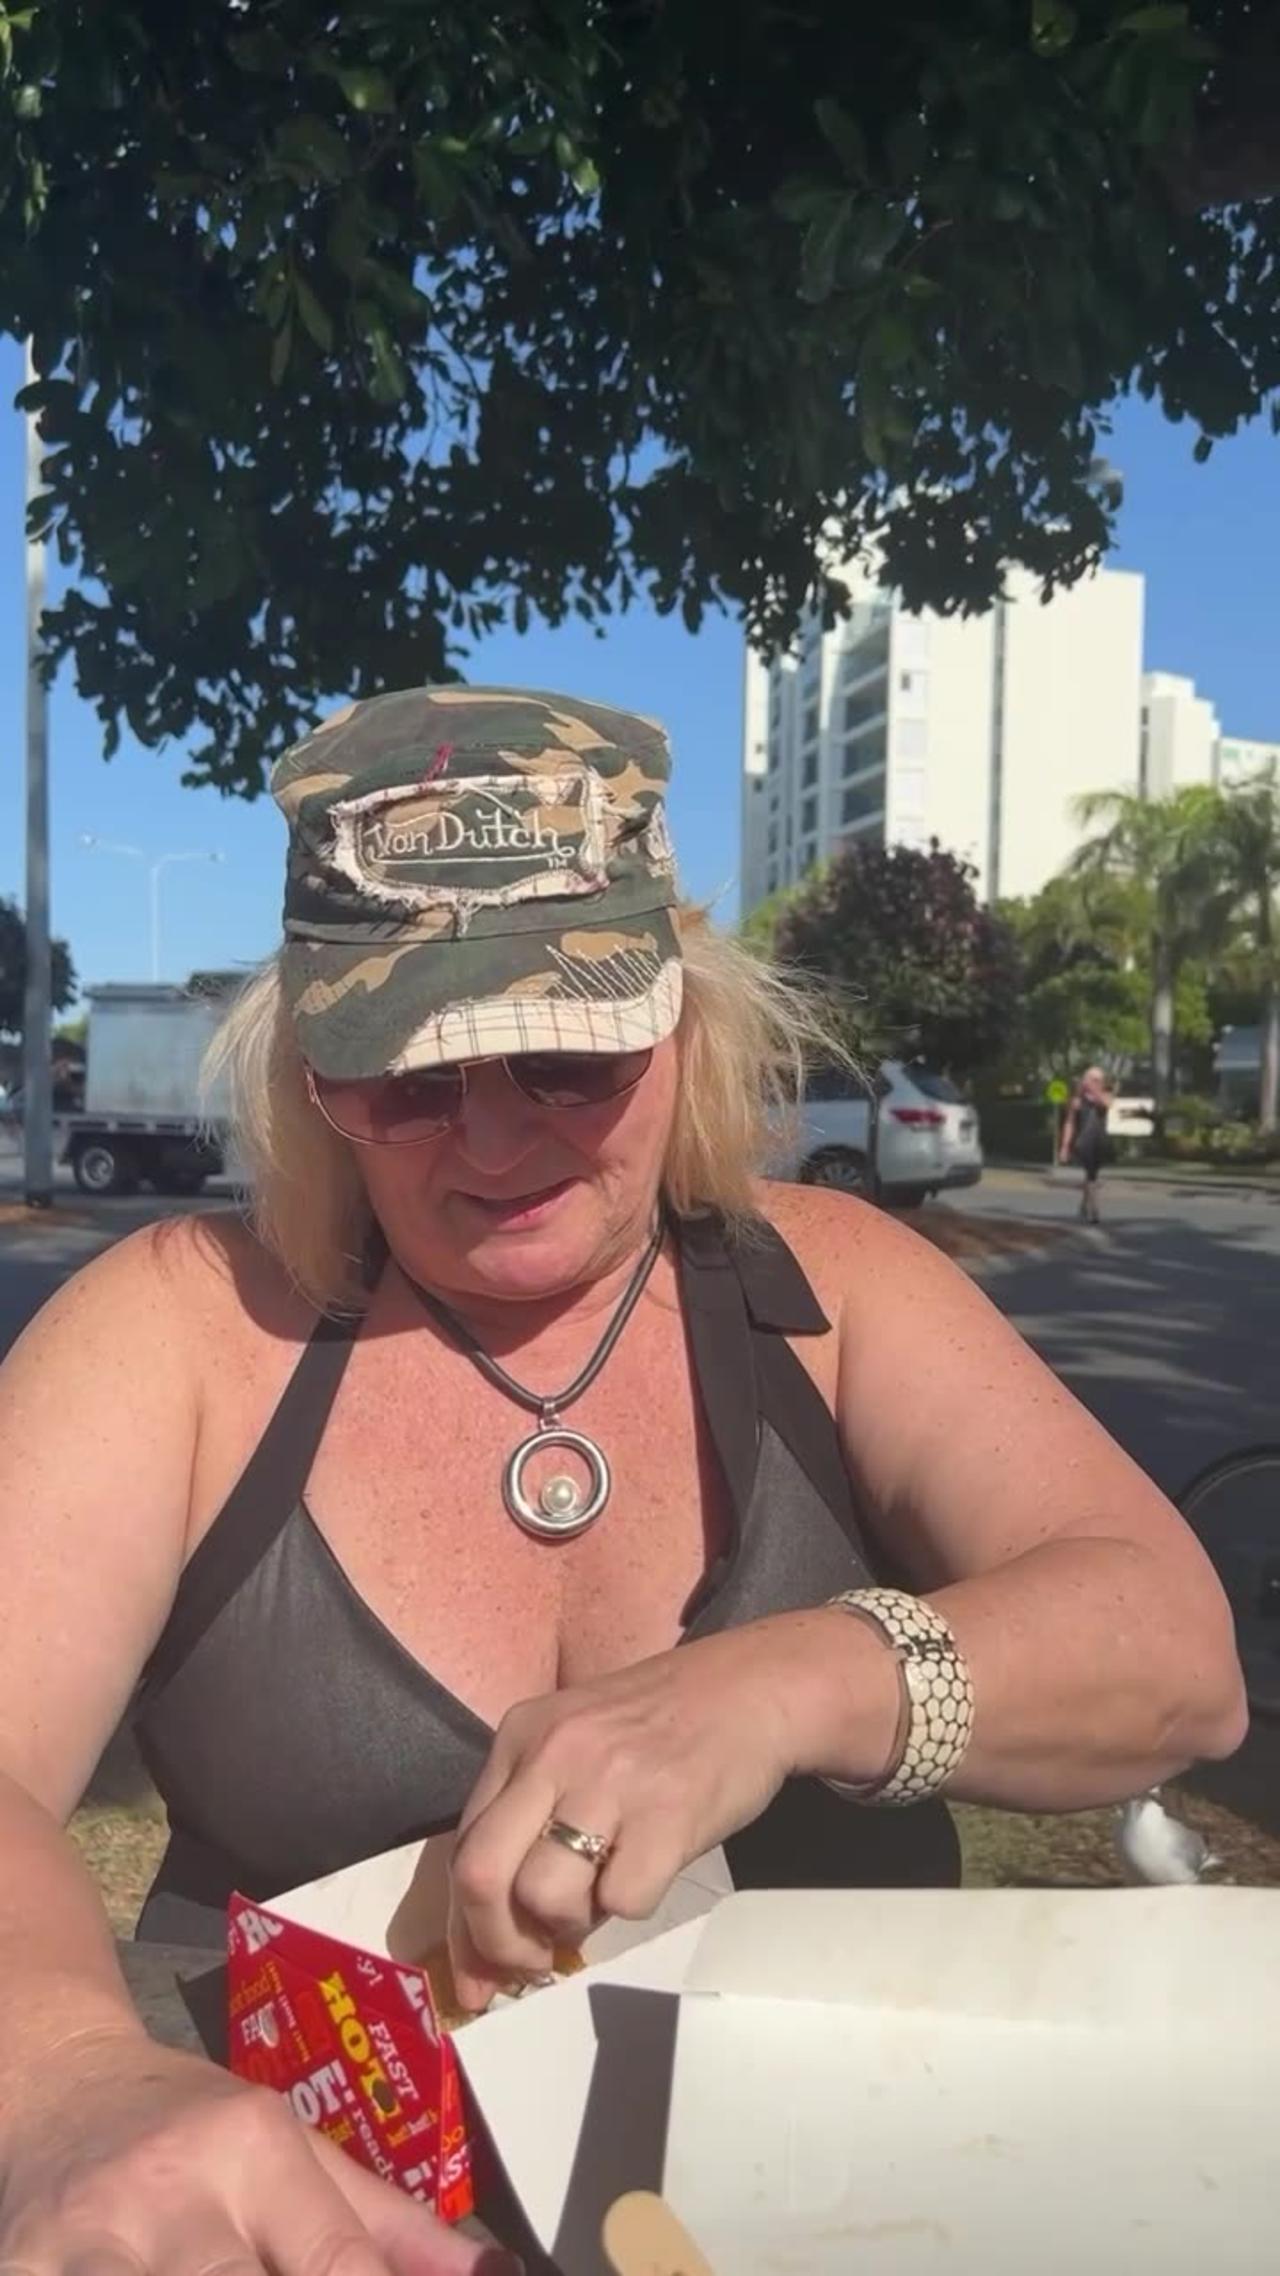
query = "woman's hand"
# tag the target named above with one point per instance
(662, 1761)
(132, 2160)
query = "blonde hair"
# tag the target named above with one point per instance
(747, 1031)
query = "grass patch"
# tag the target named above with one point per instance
(122, 1846)
(16, 1217)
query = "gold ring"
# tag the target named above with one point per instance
(593, 1846)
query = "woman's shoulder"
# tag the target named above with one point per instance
(202, 1277)
(846, 1247)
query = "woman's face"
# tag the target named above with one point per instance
(520, 1200)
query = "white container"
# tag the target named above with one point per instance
(892, 2083)
(144, 1051)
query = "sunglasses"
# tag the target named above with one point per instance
(410, 1110)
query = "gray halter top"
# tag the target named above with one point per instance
(289, 1733)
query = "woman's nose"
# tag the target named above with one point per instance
(497, 1125)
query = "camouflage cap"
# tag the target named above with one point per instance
(475, 871)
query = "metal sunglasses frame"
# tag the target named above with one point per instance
(459, 1067)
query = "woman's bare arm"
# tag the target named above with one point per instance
(1101, 1645)
(98, 1425)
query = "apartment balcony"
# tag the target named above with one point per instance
(868, 655)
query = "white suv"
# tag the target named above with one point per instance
(927, 1135)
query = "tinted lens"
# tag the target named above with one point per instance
(393, 1110)
(569, 1078)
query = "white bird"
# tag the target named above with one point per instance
(1160, 1850)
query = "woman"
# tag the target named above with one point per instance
(525, 1464)
(1084, 1137)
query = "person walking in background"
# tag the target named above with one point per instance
(1084, 1136)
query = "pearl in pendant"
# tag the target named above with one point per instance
(559, 1498)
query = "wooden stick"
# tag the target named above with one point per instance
(642, 2237)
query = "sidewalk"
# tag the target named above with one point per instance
(1175, 1176)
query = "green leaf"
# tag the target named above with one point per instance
(273, 292)
(531, 142)
(366, 88)
(844, 135)
(28, 103)
(878, 230)
(906, 146)
(315, 317)
(315, 145)
(585, 177)
(281, 351)
(1153, 22)
(520, 613)
(394, 290)
(1203, 449)
(437, 183)
(1054, 25)
(890, 341)
(823, 244)
(259, 52)
(802, 201)
(390, 378)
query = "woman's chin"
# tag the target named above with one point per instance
(535, 1246)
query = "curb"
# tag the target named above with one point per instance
(1168, 1180)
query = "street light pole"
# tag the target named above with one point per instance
(37, 1021)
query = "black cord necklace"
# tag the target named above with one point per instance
(561, 1510)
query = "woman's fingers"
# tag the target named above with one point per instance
(356, 2225)
(640, 1869)
(211, 2246)
(491, 1940)
(104, 2256)
(555, 1884)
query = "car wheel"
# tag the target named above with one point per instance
(101, 1167)
(839, 1167)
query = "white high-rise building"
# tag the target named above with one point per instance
(1180, 735)
(981, 732)
(1240, 759)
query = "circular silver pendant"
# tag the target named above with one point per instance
(561, 1509)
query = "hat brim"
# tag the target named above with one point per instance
(362, 1009)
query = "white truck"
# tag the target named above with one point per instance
(144, 1119)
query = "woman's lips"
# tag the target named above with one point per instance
(520, 1208)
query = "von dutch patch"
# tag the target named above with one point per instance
(485, 841)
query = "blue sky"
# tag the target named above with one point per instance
(1206, 537)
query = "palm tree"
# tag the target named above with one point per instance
(1170, 851)
(1249, 826)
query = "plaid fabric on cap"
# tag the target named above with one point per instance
(477, 871)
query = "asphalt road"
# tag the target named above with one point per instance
(1166, 1322)
(35, 1259)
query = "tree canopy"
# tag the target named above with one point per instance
(13, 970)
(362, 327)
(1083, 996)
(924, 971)
(1169, 853)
